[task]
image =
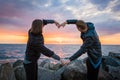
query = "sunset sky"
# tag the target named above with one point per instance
(16, 17)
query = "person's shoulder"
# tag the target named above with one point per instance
(90, 24)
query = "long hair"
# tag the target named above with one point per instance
(36, 27)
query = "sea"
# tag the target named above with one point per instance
(13, 52)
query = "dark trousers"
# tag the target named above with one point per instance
(92, 73)
(31, 70)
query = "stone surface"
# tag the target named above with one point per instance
(7, 72)
(45, 74)
(115, 55)
(76, 70)
(19, 70)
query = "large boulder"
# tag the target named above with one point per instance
(51, 66)
(19, 70)
(45, 74)
(46, 61)
(7, 72)
(74, 71)
(115, 55)
(108, 60)
(103, 75)
(114, 72)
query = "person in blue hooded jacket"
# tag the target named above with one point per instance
(35, 47)
(91, 45)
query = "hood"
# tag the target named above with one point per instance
(90, 26)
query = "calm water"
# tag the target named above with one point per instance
(12, 52)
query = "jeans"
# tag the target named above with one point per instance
(92, 73)
(31, 70)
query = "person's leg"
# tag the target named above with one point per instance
(92, 73)
(31, 71)
(36, 71)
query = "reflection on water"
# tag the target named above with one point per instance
(12, 52)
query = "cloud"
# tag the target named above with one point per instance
(116, 7)
(23, 12)
(109, 27)
(101, 4)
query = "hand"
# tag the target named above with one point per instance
(65, 61)
(63, 24)
(57, 24)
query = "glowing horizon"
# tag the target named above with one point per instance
(52, 39)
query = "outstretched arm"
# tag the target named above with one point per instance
(45, 22)
(47, 52)
(87, 43)
(72, 21)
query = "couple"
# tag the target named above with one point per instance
(35, 47)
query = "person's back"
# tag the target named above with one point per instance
(94, 50)
(91, 45)
(35, 47)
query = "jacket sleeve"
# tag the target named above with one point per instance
(47, 52)
(45, 22)
(72, 21)
(87, 43)
(44, 50)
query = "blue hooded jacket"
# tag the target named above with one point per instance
(91, 45)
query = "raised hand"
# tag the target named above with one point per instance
(63, 24)
(65, 61)
(57, 24)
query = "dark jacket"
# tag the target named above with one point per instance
(91, 45)
(35, 46)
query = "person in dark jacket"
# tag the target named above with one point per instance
(35, 47)
(91, 45)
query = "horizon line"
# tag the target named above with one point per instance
(57, 44)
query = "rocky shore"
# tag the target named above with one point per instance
(76, 70)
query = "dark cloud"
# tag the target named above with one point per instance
(116, 8)
(109, 27)
(13, 21)
(100, 4)
(11, 8)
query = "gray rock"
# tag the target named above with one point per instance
(57, 66)
(108, 60)
(58, 73)
(17, 63)
(103, 75)
(48, 65)
(19, 70)
(44, 62)
(74, 71)
(114, 72)
(7, 72)
(45, 74)
(115, 55)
